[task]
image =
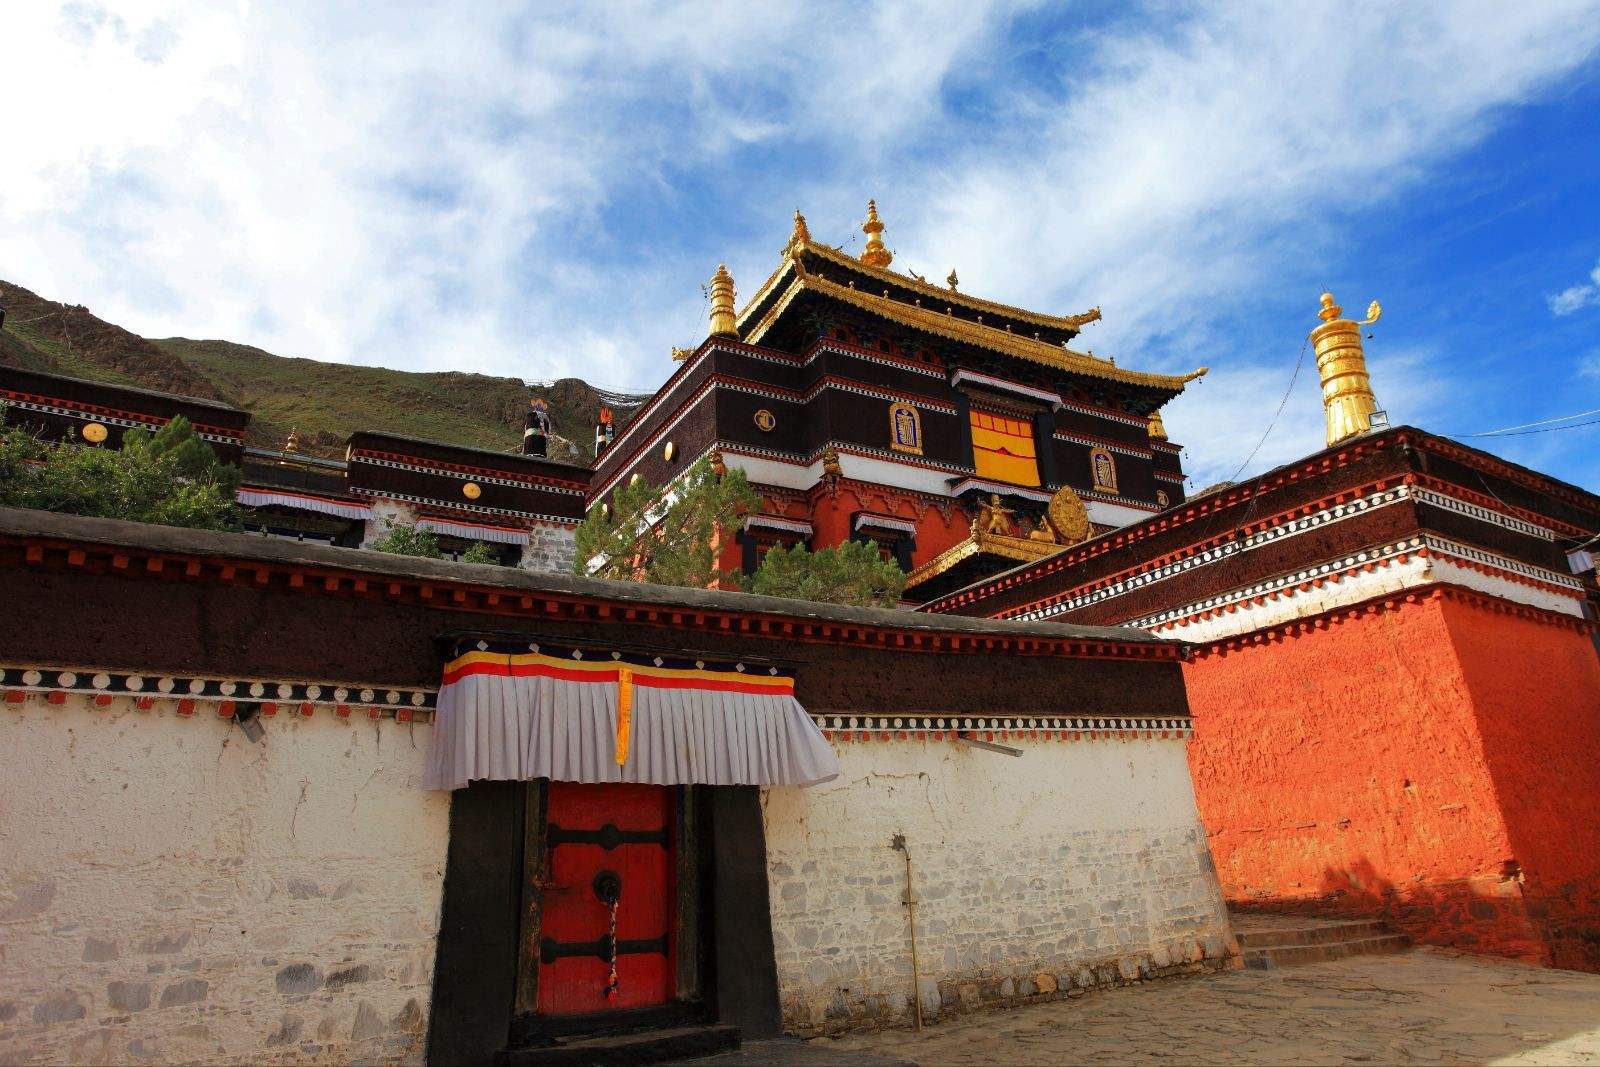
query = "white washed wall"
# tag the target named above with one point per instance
(1079, 863)
(171, 892)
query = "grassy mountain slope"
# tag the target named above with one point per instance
(325, 402)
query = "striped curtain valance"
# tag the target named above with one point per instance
(472, 531)
(260, 498)
(514, 712)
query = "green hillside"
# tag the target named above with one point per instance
(325, 402)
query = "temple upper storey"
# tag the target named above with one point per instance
(812, 274)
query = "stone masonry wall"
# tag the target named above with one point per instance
(171, 892)
(550, 550)
(1080, 863)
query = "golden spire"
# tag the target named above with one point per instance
(1158, 430)
(952, 281)
(875, 254)
(801, 235)
(722, 323)
(1347, 400)
(292, 445)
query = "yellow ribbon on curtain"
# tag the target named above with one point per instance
(624, 712)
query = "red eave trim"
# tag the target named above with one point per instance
(452, 595)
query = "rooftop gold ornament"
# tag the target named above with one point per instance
(1158, 429)
(1347, 400)
(800, 237)
(952, 281)
(1065, 523)
(875, 254)
(722, 320)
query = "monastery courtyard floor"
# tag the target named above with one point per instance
(1421, 1006)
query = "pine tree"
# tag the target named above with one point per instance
(669, 537)
(171, 477)
(850, 572)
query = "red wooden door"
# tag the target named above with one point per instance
(605, 842)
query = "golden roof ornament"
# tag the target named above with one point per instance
(292, 445)
(722, 318)
(831, 466)
(800, 237)
(952, 281)
(875, 254)
(1348, 403)
(1158, 430)
(718, 466)
(681, 354)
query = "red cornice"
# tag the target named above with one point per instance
(1278, 632)
(465, 468)
(1246, 530)
(57, 554)
(119, 413)
(1483, 461)
(1315, 466)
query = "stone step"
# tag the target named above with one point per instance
(1316, 933)
(1321, 952)
(639, 1046)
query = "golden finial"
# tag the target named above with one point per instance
(1158, 431)
(875, 254)
(952, 281)
(801, 235)
(722, 319)
(681, 354)
(291, 448)
(1347, 400)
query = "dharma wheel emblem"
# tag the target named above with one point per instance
(472, 490)
(765, 420)
(94, 432)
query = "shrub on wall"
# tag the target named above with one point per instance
(170, 477)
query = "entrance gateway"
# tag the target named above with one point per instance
(624, 786)
(608, 907)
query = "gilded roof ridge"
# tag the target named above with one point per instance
(954, 296)
(959, 329)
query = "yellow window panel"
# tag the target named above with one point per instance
(1003, 449)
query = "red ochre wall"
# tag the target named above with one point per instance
(1436, 762)
(1536, 690)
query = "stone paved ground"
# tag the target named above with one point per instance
(1422, 1006)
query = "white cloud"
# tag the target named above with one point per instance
(451, 187)
(1577, 297)
(442, 187)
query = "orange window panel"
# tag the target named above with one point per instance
(1003, 449)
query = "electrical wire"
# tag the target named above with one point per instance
(1547, 429)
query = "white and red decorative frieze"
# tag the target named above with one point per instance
(224, 697)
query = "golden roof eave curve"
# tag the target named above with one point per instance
(957, 329)
(1016, 549)
(953, 296)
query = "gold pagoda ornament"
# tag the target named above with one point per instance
(1347, 401)
(876, 254)
(800, 237)
(1158, 429)
(722, 318)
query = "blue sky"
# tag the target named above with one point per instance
(539, 191)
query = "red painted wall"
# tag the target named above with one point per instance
(1400, 763)
(1535, 690)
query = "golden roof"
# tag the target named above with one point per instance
(950, 327)
(982, 543)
